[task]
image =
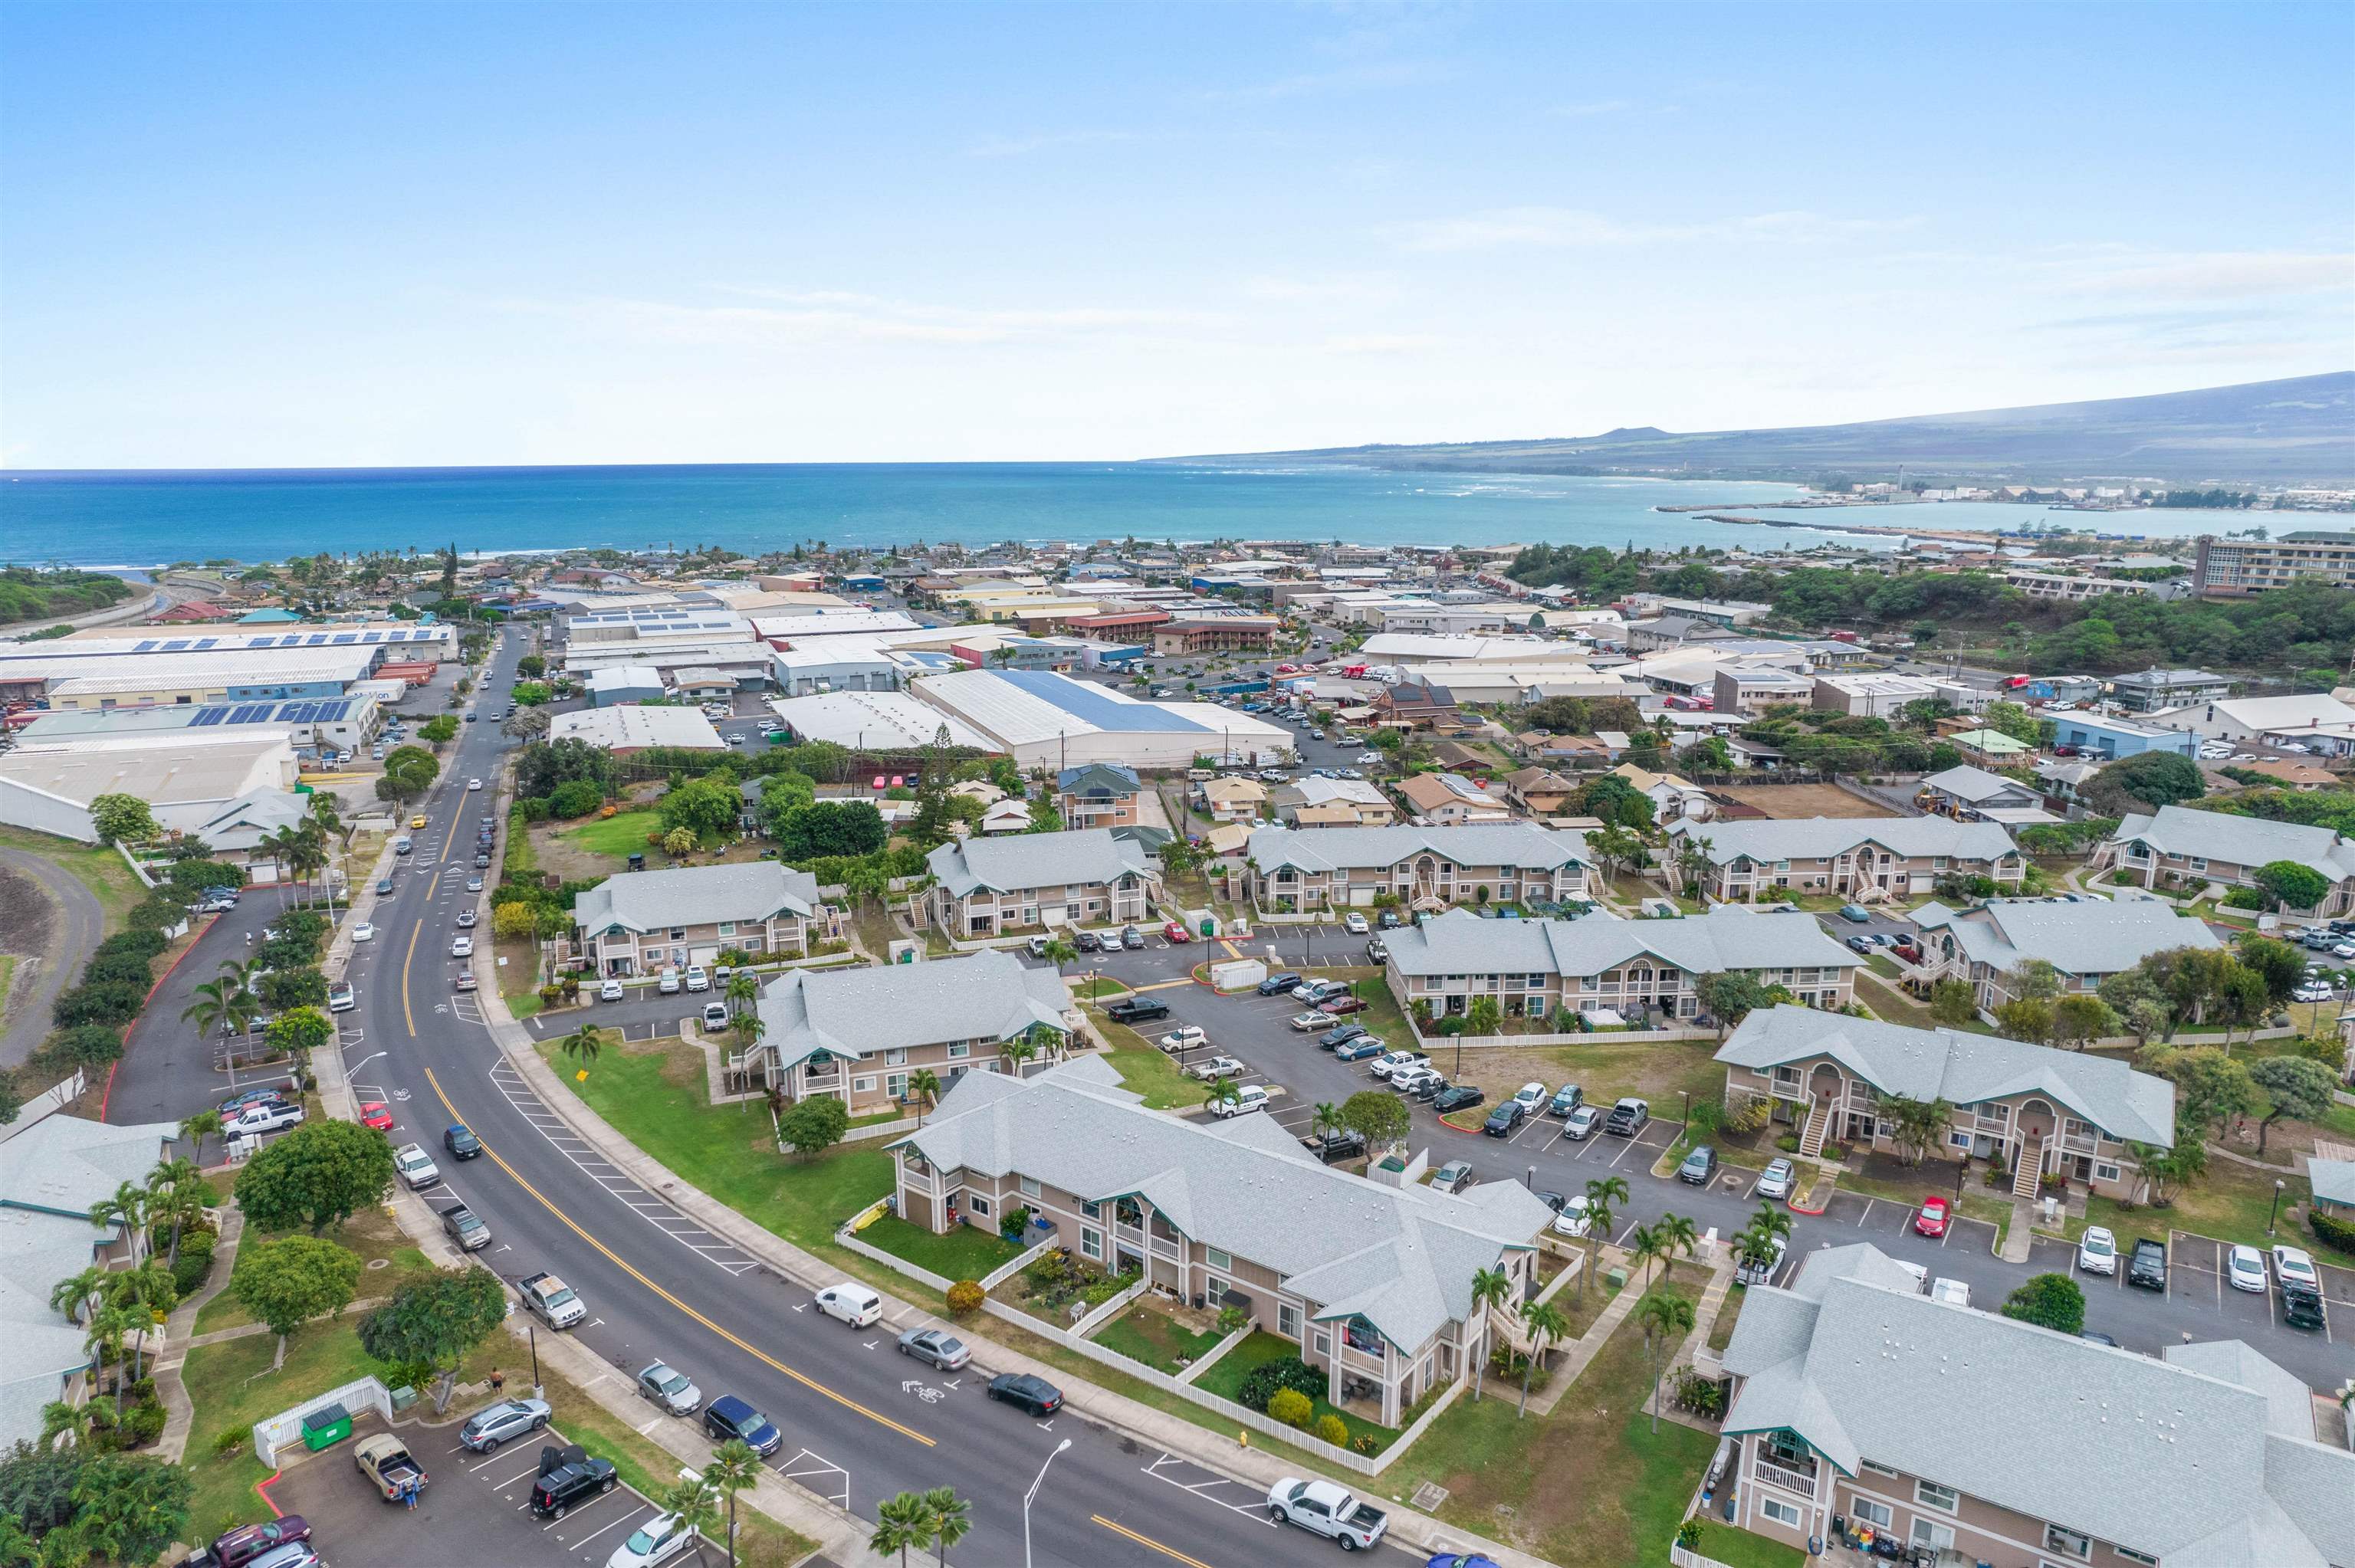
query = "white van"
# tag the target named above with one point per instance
(854, 1304)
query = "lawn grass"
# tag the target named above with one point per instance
(1720, 1543)
(1721, 1333)
(1883, 965)
(966, 1252)
(618, 836)
(1225, 1379)
(1590, 1485)
(8, 974)
(372, 1233)
(1156, 1339)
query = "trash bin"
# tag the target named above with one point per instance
(325, 1427)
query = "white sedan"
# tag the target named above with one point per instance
(364, 932)
(461, 947)
(1573, 1220)
(2296, 1266)
(657, 1541)
(473, 784)
(1305, 1021)
(2244, 1270)
(1355, 924)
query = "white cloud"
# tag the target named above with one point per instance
(1562, 228)
(2213, 275)
(1336, 287)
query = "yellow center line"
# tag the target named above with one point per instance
(1169, 1551)
(406, 1016)
(618, 1261)
(451, 836)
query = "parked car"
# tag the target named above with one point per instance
(465, 1229)
(1452, 1177)
(415, 1166)
(1855, 914)
(2097, 1251)
(377, 1115)
(1377, 950)
(1532, 1095)
(855, 1305)
(1131, 937)
(1933, 1217)
(2147, 1265)
(1761, 1272)
(1176, 933)
(1506, 1119)
(1774, 1182)
(1698, 1166)
(2301, 1306)
(1185, 1037)
(1333, 1148)
(1343, 1002)
(551, 1301)
(1277, 984)
(668, 982)
(1579, 1125)
(611, 991)
(1313, 1019)
(2244, 1270)
(1249, 1097)
(1389, 1061)
(568, 1475)
(465, 919)
(2296, 1266)
(1136, 1010)
(247, 1541)
(938, 1346)
(1407, 1080)
(670, 1388)
(1026, 1392)
(1327, 1509)
(1355, 924)
(1217, 1067)
(729, 1419)
(1572, 1218)
(1341, 1034)
(1358, 1048)
(1457, 1097)
(503, 1422)
(461, 947)
(391, 1467)
(1627, 1118)
(1566, 1100)
(1862, 944)
(655, 1541)
(263, 1115)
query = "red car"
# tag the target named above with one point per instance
(1931, 1220)
(1175, 932)
(375, 1114)
(249, 1541)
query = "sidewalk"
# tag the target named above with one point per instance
(1171, 1434)
(179, 1335)
(1579, 1352)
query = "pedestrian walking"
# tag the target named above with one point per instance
(498, 1383)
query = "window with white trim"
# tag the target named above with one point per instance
(2136, 1556)
(1877, 1469)
(1936, 1537)
(2074, 1544)
(1029, 1186)
(958, 1052)
(977, 1204)
(2105, 1172)
(727, 928)
(1879, 1515)
(1958, 1139)
(1321, 1343)
(865, 1085)
(1780, 1512)
(1214, 1258)
(1930, 1494)
(1090, 1244)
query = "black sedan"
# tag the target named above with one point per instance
(1462, 1096)
(1341, 1034)
(1506, 1119)
(1023, 1392)
(461, 1141)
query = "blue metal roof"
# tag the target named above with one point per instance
(1082, 701)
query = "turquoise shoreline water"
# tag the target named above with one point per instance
(147, 518)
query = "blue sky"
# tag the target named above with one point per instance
(326, 234)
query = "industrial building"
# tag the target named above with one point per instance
(873, 721)
(342, 724)
(1046, 720)
(789, 630)
(614, 684)
(631, 727)
(49, 790)
(404, 639)
(130, 680)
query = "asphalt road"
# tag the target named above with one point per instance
(75, 926)
(860, 1423)
(1257, 1031)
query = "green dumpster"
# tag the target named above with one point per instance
(1210, 927)
(325, 1427)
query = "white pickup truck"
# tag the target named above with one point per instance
(1327, 1510)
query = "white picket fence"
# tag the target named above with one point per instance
(1438, 1042)
(275, 1432)
(1014, 1265)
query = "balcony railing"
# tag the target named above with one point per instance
(2078, 1143)
(1800, 1481)
(1995, 1124)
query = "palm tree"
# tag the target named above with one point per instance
(743, 991)
(1544, 1322)
(198, 1128)
(178, 1190)
(1490, 1288)
(900, 1522)
(1661, 1313)
(689, 1499)
(924, 1086)
(949, 1517)
(78, 1295)
(1600, 1195)
(1327, 1120)
(61, 1416)
(128, 1207)
(1059, 952)
(583, 1043)
(221, 1004)
(1222, 1092)
(1017, 1051)
(109, 1326)
(147, 1293)
(733, 1467)
(1644, 1248)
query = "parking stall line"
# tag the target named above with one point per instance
(626, 1518)
(574, 1512)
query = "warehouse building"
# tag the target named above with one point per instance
(130, 680)
(611, 685)
(342, 724)
(629, 728)
(1045, 720)
(49, 790)
(400, 640)
(875, 720)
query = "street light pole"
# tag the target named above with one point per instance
(2275, 1214)
(1031, 1496)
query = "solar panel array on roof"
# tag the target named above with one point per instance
(207, 716)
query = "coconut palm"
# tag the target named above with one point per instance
(1600, 1195)
(689, 1501)
(1016, 1052)
(1059, 952)
(583, 1043)
(1225, 1091)
(1544, 1322)
(1645, 1247)
(178, 1193)
(128, 1207)
(733, 1467)
(198, 1128)
(1676, 1235)
(743, 991)
(1490, 1288)
(148, 1294)
(1327, 1120)
(1660, 1314)
(60, 1415)
(900, 1522)
(109, 1326)
(924, 1088)
(949, 1517)
(78, 1295)
(221, 1004)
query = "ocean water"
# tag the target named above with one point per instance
(143, 519)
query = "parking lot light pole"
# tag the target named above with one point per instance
(1031, 1496)
(2279, 1186)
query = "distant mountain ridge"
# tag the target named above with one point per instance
(2299, 431)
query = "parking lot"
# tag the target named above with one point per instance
(474, 1507)
(2198, 1292)
(1880, 1219)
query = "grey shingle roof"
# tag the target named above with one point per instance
(2094, 939)
(2171, 1460)
(1946, 1064)
(1821, 838)
(2334, 1179)
(862, 1012)
(1522, 845)
(1402, 1259)
(1098, 778)
(1460, 942)
(2240, 840)
(696, 895)
(1037, 860)
(1965, 782)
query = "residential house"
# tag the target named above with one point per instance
(857, 1034)
(1186, 636)
(2301, 777)
(1418, 705)
(1864, 857)
(1423, 868)
(2320, 723)
(1099, 795)
(1373, 1282)
(2036, 1110)
(641, 921)
(1333, 803)
(1233, 799)
(1672, 631)
(1541, 792)
(2149, 691)
(1971, 794)
(53, 1173)
(1991, 748)
(1010, 815)
(2085, 943)
(1451, 800)
(2181, 850)
(1563, 750)
(1604, 964)
(1861, 1404)
(1674, 797)
(984, 886)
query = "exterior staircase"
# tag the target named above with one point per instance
(1820, 1123)
(2028, 1176)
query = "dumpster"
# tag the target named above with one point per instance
(325, 1427)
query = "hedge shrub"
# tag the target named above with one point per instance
(195, 1262)
(1291, 1406)
(1333, 1429)
(2331, 1231)
(112, 1002)
(1260, 1384)
(117, 969)
(965, 1296)
(83, 1045)
(145, 944)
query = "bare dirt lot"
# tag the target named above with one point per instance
(1788, 801)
